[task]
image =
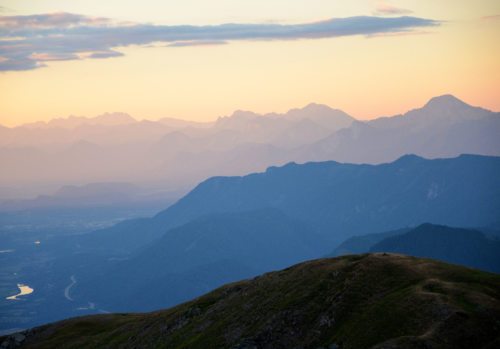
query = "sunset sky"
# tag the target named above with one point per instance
(200, 59)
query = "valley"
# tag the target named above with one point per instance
(233, 228)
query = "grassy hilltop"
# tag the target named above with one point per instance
(360, 301)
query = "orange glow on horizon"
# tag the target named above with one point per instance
(365, 77)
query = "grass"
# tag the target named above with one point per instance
(356, 301)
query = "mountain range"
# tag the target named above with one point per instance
(233, 225)
(172, 154)
(340, 200)
(230, 228)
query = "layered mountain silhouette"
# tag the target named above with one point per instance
(246, 223)
(177, 154)
(335, 183)
(363, 301)
(339, 200)
(229, 228)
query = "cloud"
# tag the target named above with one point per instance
(491, 18)
(51, 20)
(26, 42)
(104, 54)
(197, 43)
(383, 35)
(383, 9)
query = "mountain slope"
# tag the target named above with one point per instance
(453, 245)
(339, 200)
(200, 256)
(367, 301)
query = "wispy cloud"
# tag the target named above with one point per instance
(384, 35)
(491, 18)
(26, 42)
(383, 8)
(103, 54)
(58, 20)
(197, 43)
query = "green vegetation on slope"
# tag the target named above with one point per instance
(361, 301)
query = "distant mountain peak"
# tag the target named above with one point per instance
(113, 119)
(316, 106)
(238, 118)
(316, 109)
(445, 108)
(244, 114)
(447, 101)
(409, 158)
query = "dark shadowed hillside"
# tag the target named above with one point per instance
(453, 245)
(363, 243)
(365, 301)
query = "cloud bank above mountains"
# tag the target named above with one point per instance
(27, 42)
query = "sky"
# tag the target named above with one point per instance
(200, 59)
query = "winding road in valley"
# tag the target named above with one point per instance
(68, 288)
(67, 295)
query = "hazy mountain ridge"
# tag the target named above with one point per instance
(341, 200)
(173, 153)
(71, 122)
(329, 202)
(316, 191)
(444, 127)
(116, 194)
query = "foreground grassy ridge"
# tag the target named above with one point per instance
(381, 301)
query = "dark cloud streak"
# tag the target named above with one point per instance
(197, 43)
(26, 42)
